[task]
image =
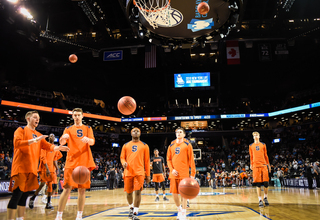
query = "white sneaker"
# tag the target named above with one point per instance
(44, 199)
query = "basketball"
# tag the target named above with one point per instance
(80, 175)
(189, 188)
(73, 58)
(203, 8)
(127, 105)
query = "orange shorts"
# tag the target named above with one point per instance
(174, 186)
(25, 181)
(260, 174)
(133, 183)
(45, 178)
(157, 178)
(68, 181)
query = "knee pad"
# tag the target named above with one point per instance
(54, 186)
(258, 184)
(163, 186)
(266, 184)
(16, 195)
(156, 186)
(23, 199)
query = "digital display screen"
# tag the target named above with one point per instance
(183, 80)
(276, 140)
(115, 144)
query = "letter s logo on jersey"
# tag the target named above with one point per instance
(177, 150)
(257, 148)
(34, 136)
(79, 133)
(134, 148)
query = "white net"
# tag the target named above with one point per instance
(154, 11)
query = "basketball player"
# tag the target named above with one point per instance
(27, 144)
(79, 138)
(259, 164)
(180, 158)
(47, 173)
(157, 165)
(135, 160)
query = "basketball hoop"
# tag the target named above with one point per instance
(154, 11)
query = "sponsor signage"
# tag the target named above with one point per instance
(112, 55)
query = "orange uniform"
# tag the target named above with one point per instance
(180, 157)
(259, 161)
(48, 157)
(79, 153)
(137, 157)
(26, 159)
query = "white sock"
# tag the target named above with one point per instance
(265, 195)
(79, 214)
(157, 195)
(179, 208)
(164, 195)
(19, 218)
(259, 198)
(135, 210)
(59, 214)
(131, 205)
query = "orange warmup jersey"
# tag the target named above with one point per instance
(47, 157)
(258, 155)
(180, 157)
(136, 155)
(79, 153)
(26, 157)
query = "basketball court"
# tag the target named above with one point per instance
(221, 203)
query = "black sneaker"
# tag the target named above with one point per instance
(266, 201)
(261, 203)
(31, 203)
(165, 198)
(49, 206)
(188, 205)
(157, 199)
(135, 216)
(130, 213)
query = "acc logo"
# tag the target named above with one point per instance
(198, 25)
(112, 55)
(175, 18)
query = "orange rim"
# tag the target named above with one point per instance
(160, 9)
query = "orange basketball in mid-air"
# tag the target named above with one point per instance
(73, 58)
(189, 188)
(203, 8)
(80, 175)
(127, 105)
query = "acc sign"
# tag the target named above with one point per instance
(112, 55)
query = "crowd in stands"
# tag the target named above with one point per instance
(295, 155)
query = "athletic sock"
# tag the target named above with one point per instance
(157, 195)
(131, 205)
(79, 214)
(59, 214)
(164, 195)
(135, 210)
(19, 218)
(265, 196)
(259, 198)
(48, 199)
